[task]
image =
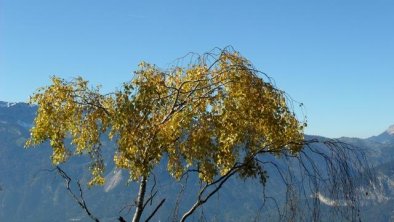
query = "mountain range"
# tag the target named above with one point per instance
(31, 190)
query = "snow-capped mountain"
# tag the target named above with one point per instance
(390, 130)
(386, 137)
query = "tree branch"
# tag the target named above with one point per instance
(80, 200)
(156, 209)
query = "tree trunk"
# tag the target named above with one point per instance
(140, 200)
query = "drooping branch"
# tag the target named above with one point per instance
(79, 199)
(180, 195)
(326, 172)
(327, 167)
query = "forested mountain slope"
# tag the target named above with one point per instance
(31, 190)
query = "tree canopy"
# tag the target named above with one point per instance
(210, 115)
(207, 114)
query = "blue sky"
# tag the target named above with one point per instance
(337, 57)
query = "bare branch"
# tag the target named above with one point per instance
(80, 200)
(156, 209)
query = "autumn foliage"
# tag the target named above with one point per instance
(209, 115)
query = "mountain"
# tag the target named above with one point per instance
(30, 190)
(387, 137)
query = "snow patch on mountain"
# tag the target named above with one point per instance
(6, 104)
(112, 180)
(390, 130)
(330, 202)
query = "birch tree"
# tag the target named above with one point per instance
(213, 115)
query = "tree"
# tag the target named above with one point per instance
(214, 117)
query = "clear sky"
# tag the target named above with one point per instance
(335, 56)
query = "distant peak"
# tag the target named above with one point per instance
(6, 104)
(390, 130)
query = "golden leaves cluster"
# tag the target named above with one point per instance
(207, 116)
(70, 110)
